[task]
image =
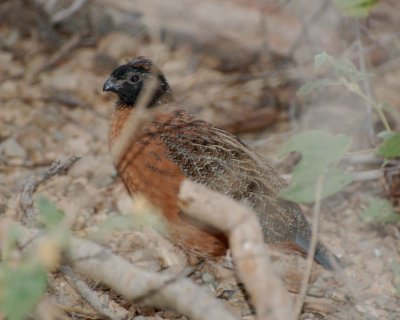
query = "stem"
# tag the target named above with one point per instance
(376, 106)
(367, 87)
(356, 89)
(313, 246)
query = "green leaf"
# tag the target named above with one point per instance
(320, 155)
(317, 144)
(305, 89)
(323, 82)
(389, 108)
(396, 275)
(345, 68)
(321, 59)
(304, 189)
(355, 8)
(380, 210)
(49, 214)
(10, 242)
(21, 289)
(116, 223)
(129, 222)
(384, 135)
(310, 86)
(390, 148)
(361, 76)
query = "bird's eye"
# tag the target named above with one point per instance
(135, 78)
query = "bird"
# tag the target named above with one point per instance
(175, 145)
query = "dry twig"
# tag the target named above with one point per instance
(28, 218)
(240, 224)
(61, 54)
(368, 175)
(79, 310)
(136, 121)
(366, 85)
(30, 186)
(313, 246)
(135, 284)
(67, 12)
(49, 310)
(98, 304)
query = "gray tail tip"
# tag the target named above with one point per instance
(322, 255)
(327, 259)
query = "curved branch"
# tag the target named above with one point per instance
(240, 224)
(135, 284)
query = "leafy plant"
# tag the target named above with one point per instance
(380, 210)
(396, 273)
(23, 280)
(355, 8)
(48, 212)
(137, 214)
(21, 288)
(344, 73)
(320, 156)
(390, 148)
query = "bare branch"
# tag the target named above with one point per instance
(30, 186)
(59, 55)
(92, 297)
(368, 175)
(240, 224)
(67, 12)
(136, 121)
(366, 84)
(135, 284)
(313, 246)
(46, 309)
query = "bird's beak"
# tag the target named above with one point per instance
(110, 85)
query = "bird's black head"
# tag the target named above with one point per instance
(129, 79)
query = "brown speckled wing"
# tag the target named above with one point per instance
(175, 145)
(223, 163)
(147, 169)
(220, 161)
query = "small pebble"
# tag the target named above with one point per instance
(12, 149)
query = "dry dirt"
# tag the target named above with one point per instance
(62, 111)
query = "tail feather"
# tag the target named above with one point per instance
(322, 255)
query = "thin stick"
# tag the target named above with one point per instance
(74, 309)
(313, 246)
(367, 175)
(135, 122)
(366, 84)
(47, 309)
(135, 284)
(67, 12)
(61, 54)
(305, 27)
(30, 186)
(92, 297)
(241, 226)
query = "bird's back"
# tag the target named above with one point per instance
(175, 146)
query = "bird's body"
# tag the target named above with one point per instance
(174, 146)
(147, 169)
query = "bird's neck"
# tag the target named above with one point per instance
(159, 98)
(122, 114)
(164, 99)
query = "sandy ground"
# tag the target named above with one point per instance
(62, 111)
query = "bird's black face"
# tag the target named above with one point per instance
(128, 80)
